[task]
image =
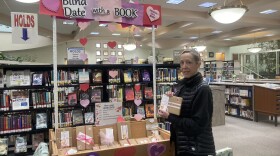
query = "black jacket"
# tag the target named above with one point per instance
(192, 130)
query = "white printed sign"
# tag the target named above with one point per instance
(24, 28)
(107, 113)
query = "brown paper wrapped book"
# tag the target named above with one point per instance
(174, 105)
(84, 136)
(64, 137)
(124, 130)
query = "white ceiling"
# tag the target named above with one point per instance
(180, 22)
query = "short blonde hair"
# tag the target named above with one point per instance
(194, 53)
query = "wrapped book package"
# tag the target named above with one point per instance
(106, 136)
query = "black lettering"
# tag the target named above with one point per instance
(67, 11)
(117, 13)
(65, 2)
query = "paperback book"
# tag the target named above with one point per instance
(41, 120)
(77, 117)
(89, 118)
(37, 79)
(127, 75)
(83, 76)
(97, 76)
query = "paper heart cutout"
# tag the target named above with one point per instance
(83, 25)
(137, 102)
(152, 14)
(84, 87)
(83, 41)
(138, 117)
(112, 59)
(156, 149)
(111, 27)
(84, 103)
(83, 56)
(112, 44)
(51, 5)
(120, 119)
(93, 154)
(113, 73)
(129, 151)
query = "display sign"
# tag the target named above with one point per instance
(107, 113)
(24, 28)
(99, 10)
(74, 55)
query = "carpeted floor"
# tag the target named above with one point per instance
(248, 138)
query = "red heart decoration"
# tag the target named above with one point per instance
(83, 41)
(112, 45)
(84, 87)
(120, 119)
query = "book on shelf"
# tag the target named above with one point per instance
(89, 118)
(5, 101)
(136, 75)
(97, 76)
(4, 146)
(37, 79)
(20, 99)
(146, 76)
(129, 93)
(15, 123)
(114, 76)
(83, 76)
(41, 99)
(149, 110)
(115, 93)
(1, 78)
(96, 94)
(37, 139)
(148, 92)
(21, 145)
(41, 120)
(141, 110)
(127, 75)
(77, 117)
(138, 91)
(72, 99)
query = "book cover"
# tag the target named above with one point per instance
(127, 75)
(18, 78)
(77, 117)
(1, 78)
(72, 99)
(41, 120)
(37, 139)
(129, 93)
(20, 100)
(3, 146)
(89, 118)
(20, 145)
(37, 79)
(148, 91)
(146, 76)
(149, 110)
(141, 110)
(83, 76)
(96, 95)
(136, 74)
(114, 76)
(97, 76)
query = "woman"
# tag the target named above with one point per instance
(192, 131)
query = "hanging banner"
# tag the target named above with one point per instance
(99, 10)
(24, 28)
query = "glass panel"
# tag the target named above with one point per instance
(250, 64)
(267, 64)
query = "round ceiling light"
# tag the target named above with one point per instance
(228, 14)
(28, 1)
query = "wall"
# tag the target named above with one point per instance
(44, 54)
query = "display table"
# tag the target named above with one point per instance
(138, 130)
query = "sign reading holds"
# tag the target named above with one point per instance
(75, 55)
(24, 28)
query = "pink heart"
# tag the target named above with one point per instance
(51, 5)
(83, 56)
(113, 73)
(156, 149)
(83, 41)
(84, 103)
(120, 119)
(112, 59)
(152, 14)
(112, 44)
(111, 27)
(83, 25)
(138, 117)
(137, 102)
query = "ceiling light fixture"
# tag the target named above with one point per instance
(130, 45)
(28, 1)
(116, 34)
(207, 4)
(174, 1)
(68, 22)
(228, 14)
(254, 48)
(270, 11)
(94, 33)
(216, 32)
(103, 25)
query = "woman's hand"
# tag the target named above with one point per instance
(163, 114)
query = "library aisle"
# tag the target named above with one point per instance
(248, 138)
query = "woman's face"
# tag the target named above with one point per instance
(188, 65)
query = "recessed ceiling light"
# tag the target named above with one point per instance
(269, 35)
(216, 32)
(207, 4)
(270, 11)
(27, 1)
(193, 37)
(141, 45)
(94, 33)
(137, 35)
(68, 22)
(115, 34)
(174, 1)
(227, 39)
(4, 28)
(103, 25)
(258, 29)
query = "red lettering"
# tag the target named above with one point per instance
(27, 21)
(15, 20)
(32, 22)
(20, 20)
